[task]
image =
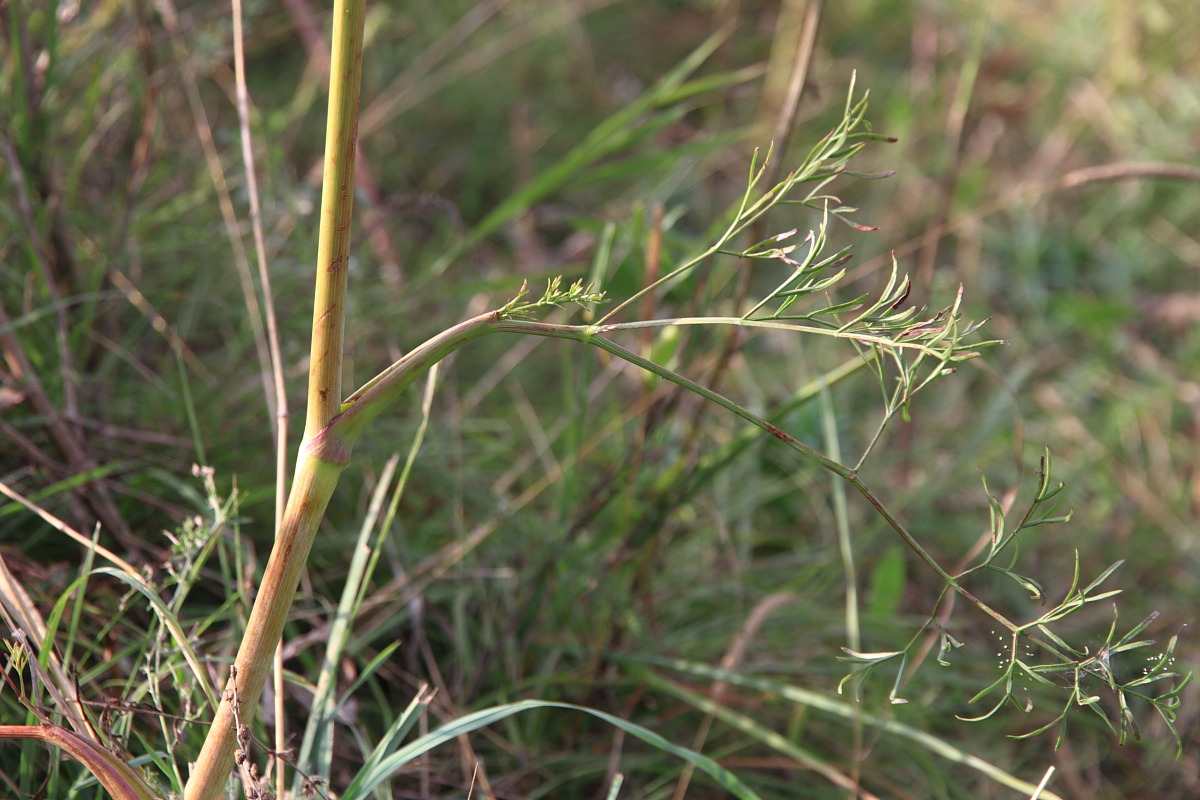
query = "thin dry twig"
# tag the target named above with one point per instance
(63, 527)
(268, 302)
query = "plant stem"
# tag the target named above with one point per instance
(118, 778)
(337, 196)
(322, 459)
(316, 479)
(377, 394)
(322, 456)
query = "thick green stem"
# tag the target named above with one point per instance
(323, 455)
(322, 459)
(337, 196)
(316, 478)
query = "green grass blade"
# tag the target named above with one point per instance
(182, 640)
(375, 773)
(316, 749)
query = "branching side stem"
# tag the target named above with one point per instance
(588, 335)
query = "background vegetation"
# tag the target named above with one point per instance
(561, 531)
